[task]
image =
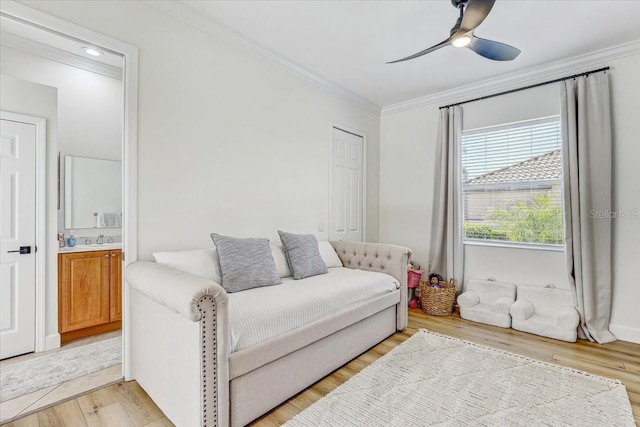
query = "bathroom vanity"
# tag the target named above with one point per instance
(89, 290)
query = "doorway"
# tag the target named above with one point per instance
(347, 184)
(14, 14)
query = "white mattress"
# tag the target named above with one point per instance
(262, 313)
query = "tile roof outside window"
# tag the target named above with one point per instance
(546, 167)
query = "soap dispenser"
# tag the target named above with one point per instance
(71, 241)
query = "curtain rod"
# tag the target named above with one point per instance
(586, 73)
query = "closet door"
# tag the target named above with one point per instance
(347, 195)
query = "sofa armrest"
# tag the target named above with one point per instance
(503, 305)
(390, 259)
(175, 289)
(568, 317)
(468, 299)
(521, 309)
(203, 302)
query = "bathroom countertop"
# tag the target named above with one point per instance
(89, 248)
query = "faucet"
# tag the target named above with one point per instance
(87, 241)
(100, 239)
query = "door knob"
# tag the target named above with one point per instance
(23, 250)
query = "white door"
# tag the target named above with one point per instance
(17, 227)
(347, 173)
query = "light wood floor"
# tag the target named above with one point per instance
(123, 404)
(126, 404)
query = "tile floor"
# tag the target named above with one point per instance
(28, 403)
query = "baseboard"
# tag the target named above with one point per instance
(52, 341)
(625, 333)
(65, 337)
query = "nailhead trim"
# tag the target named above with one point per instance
(208, 327)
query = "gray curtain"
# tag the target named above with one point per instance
(446, 252)
(586, 150)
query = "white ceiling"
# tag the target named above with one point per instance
(348, 42)
(36, 40)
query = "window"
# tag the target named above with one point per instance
(512, 183)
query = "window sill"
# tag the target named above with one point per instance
(509, 245)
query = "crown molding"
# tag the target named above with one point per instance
(218, 30)
(531, 75)
(64, 57)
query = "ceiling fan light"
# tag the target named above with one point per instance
(461, 41)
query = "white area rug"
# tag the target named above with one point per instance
(55, 368)
(432, 379)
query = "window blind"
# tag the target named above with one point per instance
(512, 182)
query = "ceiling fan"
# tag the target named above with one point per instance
(472, 13)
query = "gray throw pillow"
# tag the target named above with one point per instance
(302, 254)
(245, 263)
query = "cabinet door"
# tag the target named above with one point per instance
(84, 290)
(116, 285)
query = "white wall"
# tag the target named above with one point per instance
(407, 148)
(625, 87)
(28, 98)
(227, 143)
(90, 112)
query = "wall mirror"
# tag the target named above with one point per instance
(93, 193)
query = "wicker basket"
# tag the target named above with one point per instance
(438, 301)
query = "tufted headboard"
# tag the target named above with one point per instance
(384, 258)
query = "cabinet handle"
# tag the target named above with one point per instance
(113, 255)
(106, 256)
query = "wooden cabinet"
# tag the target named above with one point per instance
(89, 293)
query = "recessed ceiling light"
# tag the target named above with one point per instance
(461, 41)
(92, 51)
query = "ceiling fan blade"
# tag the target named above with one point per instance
(493, 50)
(474, 13)
(424, 52)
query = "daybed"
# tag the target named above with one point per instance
(212, 358)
